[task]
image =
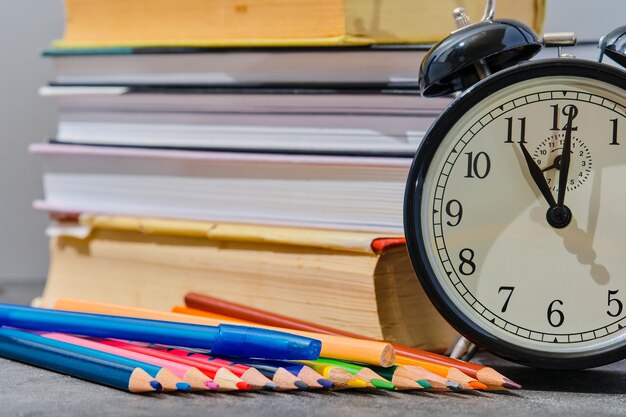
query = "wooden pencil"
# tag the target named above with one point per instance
(166, 378)
(401, 378)
(37, 351)
(281, 376)
(362, 372)
(340, 347)
(191, 375)
(484, 374)
(222, 376)
(302, 372)
(436, 382)
(252, 376)
(341, 378)
(447, 372)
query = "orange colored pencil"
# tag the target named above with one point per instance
(484, 374)
(337, 347)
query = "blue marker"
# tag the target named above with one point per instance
(239, 341)
(36, 351)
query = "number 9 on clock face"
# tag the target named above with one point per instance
(515, 214)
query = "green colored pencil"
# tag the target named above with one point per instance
(360, 372)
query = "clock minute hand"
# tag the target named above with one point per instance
(565, 159)
(538, 178)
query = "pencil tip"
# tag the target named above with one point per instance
(210, 385)
(183, 386)
(244, 386)
(270, 385)
(301, 385)
(477, 385)
(424, 383)
(510, 384)
(454, 386)
(382, 384)
(156, 385)
(326, 383)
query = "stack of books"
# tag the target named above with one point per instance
(256, 151)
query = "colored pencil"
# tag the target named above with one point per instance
(436, 382)
(450, 373)
(222, 376)
(233, 340)
(164, 376)
(192, 376)
(484, 374)
(401, 377)
(364, 373)
(283, 378)
(339, 347)
(252, 376)
(341, 378)
(37, 351)
(300, 371)
(447, 372)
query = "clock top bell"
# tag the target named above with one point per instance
(473, 51)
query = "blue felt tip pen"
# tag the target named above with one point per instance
(241, 341)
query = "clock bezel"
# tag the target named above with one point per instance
(413, 202)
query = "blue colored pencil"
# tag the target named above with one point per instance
(240, 341)
(105, 372)
(165, 377)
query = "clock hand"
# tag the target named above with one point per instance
(555, 164)
(565, 158)
(537, 176)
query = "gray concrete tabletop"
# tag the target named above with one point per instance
(29, 391)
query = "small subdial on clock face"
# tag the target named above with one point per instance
(548, 156)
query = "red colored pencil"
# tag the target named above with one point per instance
(222, 376)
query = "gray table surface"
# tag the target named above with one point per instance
(29, 391)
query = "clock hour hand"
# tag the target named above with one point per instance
(555, 164)
(537, 176)
(565, 157)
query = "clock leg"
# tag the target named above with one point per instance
(463, 349)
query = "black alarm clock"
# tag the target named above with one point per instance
(515, 206)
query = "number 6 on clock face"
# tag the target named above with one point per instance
(515, 213)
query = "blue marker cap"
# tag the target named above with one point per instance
(252, 342)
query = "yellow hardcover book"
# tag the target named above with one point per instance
(231, 23)
(357, 282)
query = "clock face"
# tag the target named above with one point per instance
(497, 265)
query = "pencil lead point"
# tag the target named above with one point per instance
(326, 383)
(210, 385)
(183, 386)
(454, 386)
(244, 386)
(301, 385)
(477, 385)
(510, 384)
(156, 385)
(424, 383)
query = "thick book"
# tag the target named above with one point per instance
(297, 120)
(358, 282)
(274, 22)
(356, 193)
(347, 65)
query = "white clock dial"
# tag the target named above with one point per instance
(483, 217)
